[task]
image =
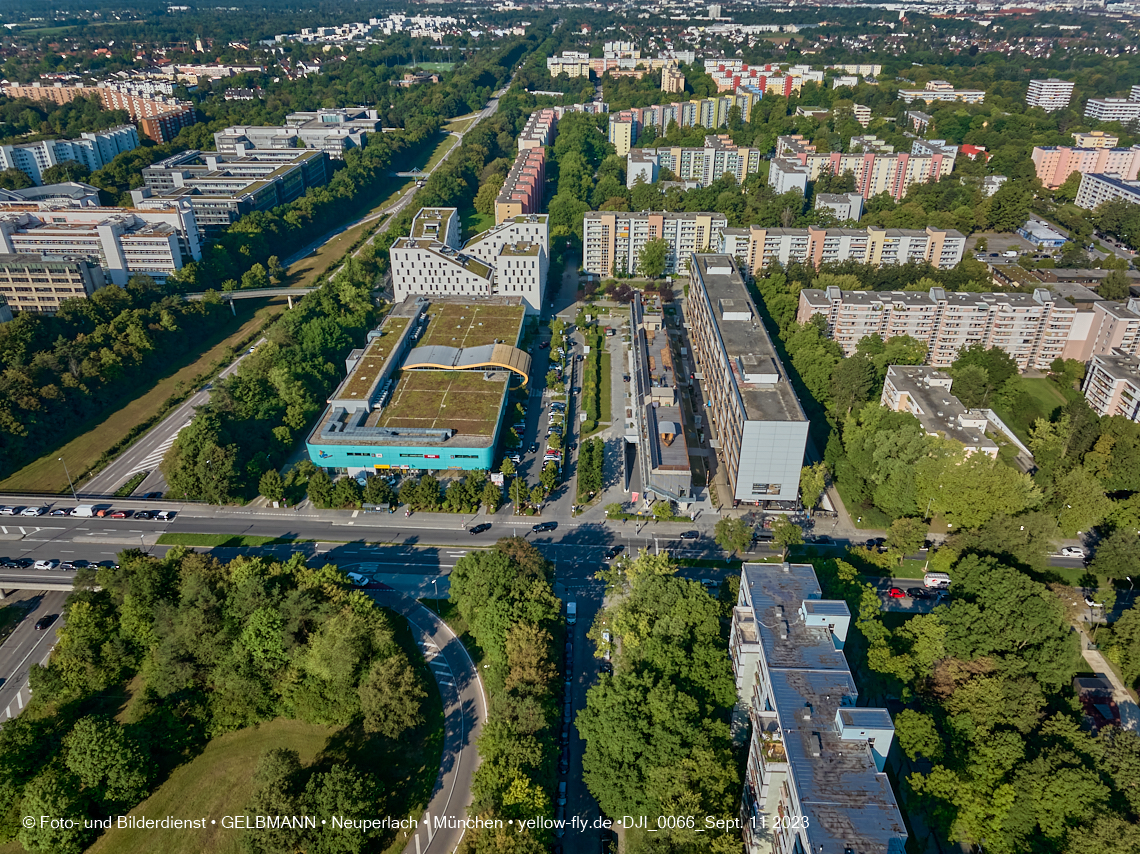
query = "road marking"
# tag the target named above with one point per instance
(20, 698)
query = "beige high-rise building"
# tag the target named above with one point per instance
(672, 80)
(1112, 386)
(613, 239)
(38, 284)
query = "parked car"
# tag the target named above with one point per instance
(562, 793)
(919, 593)
(122, 514)
(144, 514)
(690, 535)
(45, 622)
(164, 515)
(625, 378)
(67, 565)
(544, 526)
(9, 511)
(543, 345)
(613, 551)
(34, 511)
(606, 667)
(1072, 551)
(895, 593)
(479, 529)
(61, 511)
(46, 563)
(573, 446)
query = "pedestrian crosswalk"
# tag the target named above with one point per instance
(152, 460)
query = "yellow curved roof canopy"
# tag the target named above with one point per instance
(501, 356)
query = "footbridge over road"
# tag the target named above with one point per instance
(253, 293)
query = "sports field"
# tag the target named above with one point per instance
(469, 325)
(461, 400)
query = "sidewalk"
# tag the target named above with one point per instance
(1129, 711)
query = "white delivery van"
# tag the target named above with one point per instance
(571, 613)
(936, 580)
(84, 510)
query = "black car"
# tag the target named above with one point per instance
(613, 551)
(152, 496)
(533, 449)
(23, 562)
(144, 514)
(625, 378)
(690, 535)
(479, 529)
(544, 526)
(573, 446)
(81, 564)
(60, 511)
(919, 593)
(606, 667)
(44, 622)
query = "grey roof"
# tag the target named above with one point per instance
(938, 411)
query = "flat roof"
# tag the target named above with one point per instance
(431, 223)
(746, 342)
(1120, 366)
(366, 371)
(939, 411)
(465, 401)
(467, 324)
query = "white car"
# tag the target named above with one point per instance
(357, 579)
(34, 511)
(46, 564)
(1072, 551)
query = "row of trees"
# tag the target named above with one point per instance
(505, 597)
(208, 648)
(591, 464)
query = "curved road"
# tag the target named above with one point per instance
(464, 713)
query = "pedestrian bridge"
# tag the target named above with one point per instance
(254, 293)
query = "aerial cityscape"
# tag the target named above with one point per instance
(562, 427)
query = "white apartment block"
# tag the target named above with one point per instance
(510, 259)
(1112, 386)
(758, 247)
(613, 239)
(862, 114)
(1032, 329)
(1096, 189)
(1049, 94)
(37, 284)
(862, 69)
(330, 130)
(786, 175)
(719, 157)
(940, 90)
(845, 206)
(925, 393)
(539, 130)
(1123, 110)
(93, 150)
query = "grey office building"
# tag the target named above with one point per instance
(759, 429)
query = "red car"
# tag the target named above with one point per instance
(121, 514)
(895, 593)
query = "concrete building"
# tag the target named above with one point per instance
(657, 427)
(992, 183)
(160, 117)
(1101, 328)
(1049, 94)
(1112, 385)
(221, 188)
(1123, 110)
(572, 63)
(332, 131)
(1096, 189)
(163, 127)
(39, 284)
(863, 69)
(758, 247)
(623, 131)
(522, 191)
(866, 142)
(424, 394)
(510, 260)
(845, 206)
(672, 80)
(940, 90)
(539, 130)
(919, 121)
(1041, 234)
(757, 425)
(707, 112)
(641, 164)
(925, 393)
(1056, 163)
(875, 171)
(93, 150)
(1094, 139)
(719, 157)
(69, 194)
(122, 241)
(5, 311)
(1033, 329)
(931, 147)
(862, 114)
(816, 758)
(613, 239)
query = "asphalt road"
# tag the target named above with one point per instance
(147, 452)
(27, 646)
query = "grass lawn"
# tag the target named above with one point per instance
(462, 400)
(471, 325)
(474, 222)
(435, 66)
(604, 404)
(460, 123)
(220, 540)
(82, 452)
(1044, 397)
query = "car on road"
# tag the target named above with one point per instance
(144, 514)
(81, 564)
(357, 579)
(1072, 551)
(515, 458)
(480, 528)
(23, 562)
(573, 446)
(46, 563)
(152, 496)
(533, 449)
(613, 551)
(821, 541)
(544, 526)
(919, 593)
(543, 345)
(45, 622)
(122, 514)
(625, 378)
(895, 593)
(61, 511)
(562, 793)
(164, 515)
(710, 583)
(67, 565)
(690, 535)
(34, 511)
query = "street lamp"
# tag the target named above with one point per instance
(69, 483)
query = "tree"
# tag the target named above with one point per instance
(549, 477)
(653, 257)
(61, 173)
(492, 497)
(485, 198)
(906, 536)
(54, 793)
(391, 697)
(851, 383)
(787, 534)
(813, 483)
(377, 490)
(507, 468)
(271, 486)
(537, 496)
(614, 509)
(918, 736)
(15, 179)
(1115, 286)
(112, 767)
(320, 489)
(732, 534)
(1117, 555)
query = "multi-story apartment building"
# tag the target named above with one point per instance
(221, 188)
(538, 130)
(931, 147)
(925, 393)
(511, 259)
(623, 131)
(719, 157)
(1112, 386)
(332, 131)
(1123, 110)
(940, 90)
(707, 112)
(1103, 328)
(919, 121)
(672, 80)
(758, 247)
(122, 241)
(1055, 163)
(612, 240)
(524, 186)
(759, 427)
(160, 117)
(845, 206)
(874, 172)
(38, 284)
(572, 63)
(1094, 139)
(731, 74)
(863, 69)
(93, 150)
(1032, 328)
(862, 114)
(815, 758)
(1049, 94)
(1096, 189)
